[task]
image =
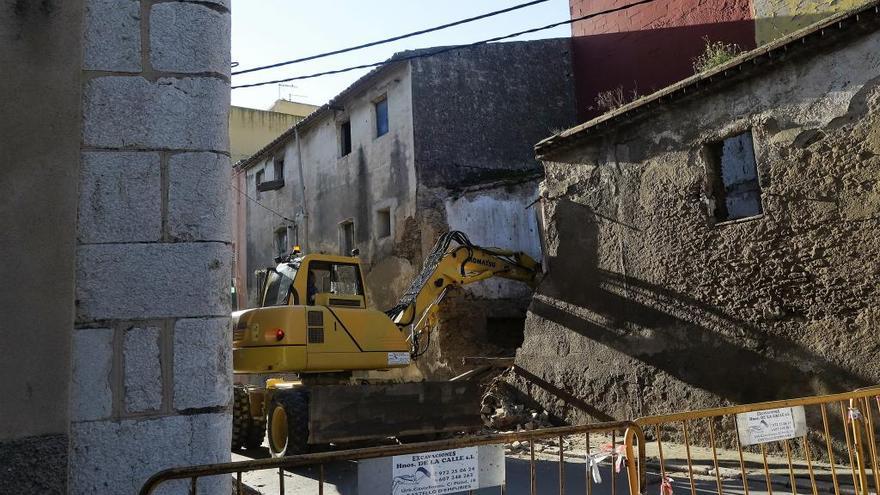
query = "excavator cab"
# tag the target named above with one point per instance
(334, 283)
(314, 280)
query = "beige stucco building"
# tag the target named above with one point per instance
(250, 128)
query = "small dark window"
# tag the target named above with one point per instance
(381, 117)
(733, 178)
(278, 164)
(346, 237)
(281, 241)
(259, 178)
(383, 223)
(345, 138)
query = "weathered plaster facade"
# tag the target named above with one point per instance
(647, 47)
(652, 306)
(456, 156)
(116, 345)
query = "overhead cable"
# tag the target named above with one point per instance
(389, 40)
(261, 205)
(446, 49)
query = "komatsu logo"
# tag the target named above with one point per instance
(490, 264)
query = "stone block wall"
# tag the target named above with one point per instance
(151, 348)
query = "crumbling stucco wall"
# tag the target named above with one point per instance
(484, 319)
(650, 306)
(150, 380)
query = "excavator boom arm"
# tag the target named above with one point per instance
(451, 266)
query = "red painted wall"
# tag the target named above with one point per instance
(648, 47)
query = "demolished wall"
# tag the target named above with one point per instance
(653, 306)
(476, 113)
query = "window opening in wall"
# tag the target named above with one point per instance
(281, 241)
(381, 117)
(732, 175)
(277, 179)
(259, 178)
(383, 223)
(345, 138)
(346, 237)
(278, 165)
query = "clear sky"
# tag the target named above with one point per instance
(269, 31)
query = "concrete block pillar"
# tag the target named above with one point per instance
(151, 365)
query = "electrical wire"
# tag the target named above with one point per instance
(392, 39)
(447, 49)
(261, 205)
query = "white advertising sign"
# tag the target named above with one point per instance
(435, 473)
(771, 425)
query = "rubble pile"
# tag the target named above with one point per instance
(501, 411)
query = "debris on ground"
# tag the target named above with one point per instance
(503, 411)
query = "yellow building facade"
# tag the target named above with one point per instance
(250, 129)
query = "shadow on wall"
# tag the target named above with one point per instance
(671, 332)
(648, 60)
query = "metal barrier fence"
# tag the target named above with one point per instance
(804, 433)
(629, 450)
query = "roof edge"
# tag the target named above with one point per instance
(322, 110)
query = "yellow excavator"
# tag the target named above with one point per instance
(306, 359)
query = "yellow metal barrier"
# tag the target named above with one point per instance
(795, 430)
(632, 445)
